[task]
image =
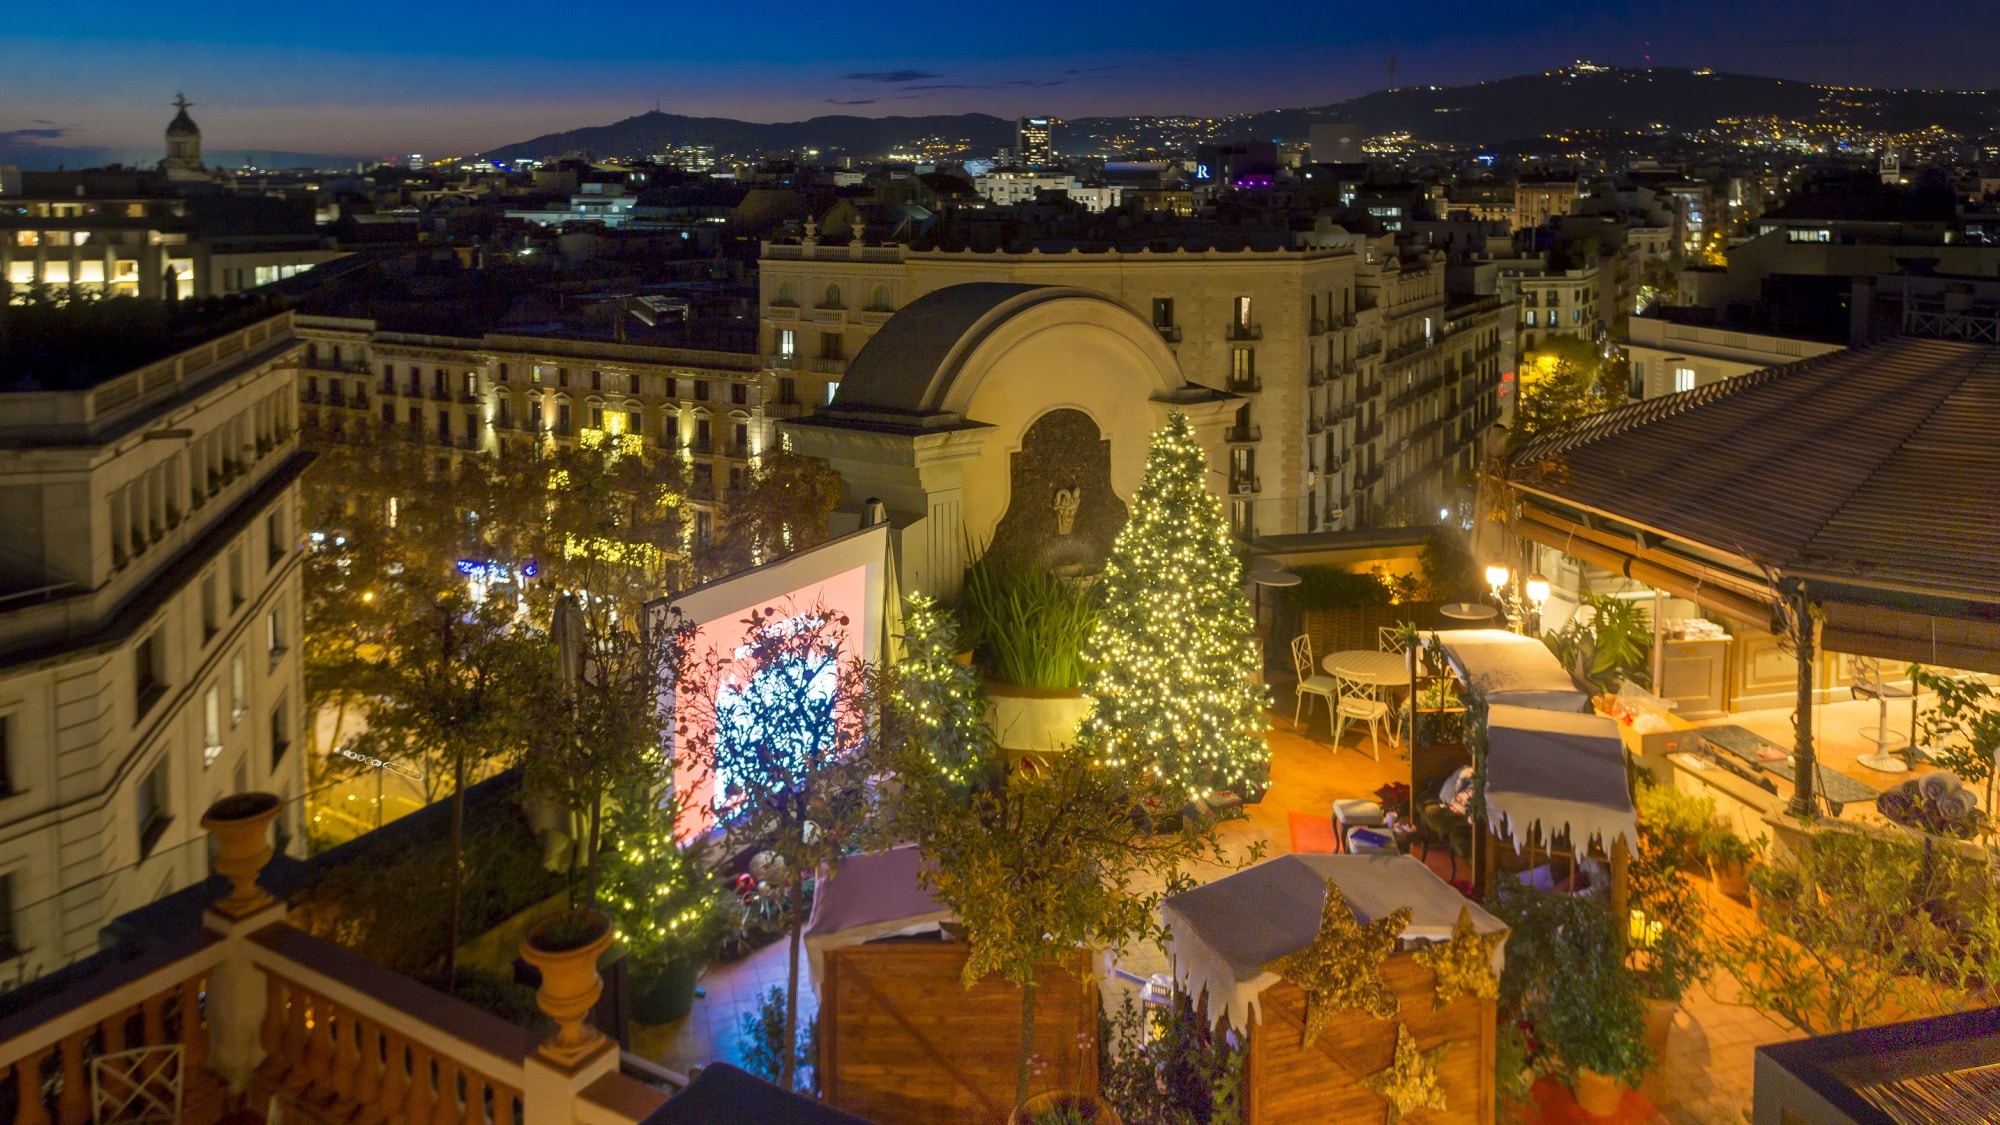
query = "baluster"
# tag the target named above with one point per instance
(152, 1020)
(113, 1028)
(368, 1072)
(320, 1051)
(346, 1058)
(295, 1039)
(194, 1032)
(477, 1090)
(395, 1078)
(272, 1035)
(31, 1110)
(446, 1110)
(417, 1102)
(73, 1104)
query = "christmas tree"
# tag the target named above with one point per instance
(938, 700)
(1174, 648)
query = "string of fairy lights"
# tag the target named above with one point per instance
(1174, 647)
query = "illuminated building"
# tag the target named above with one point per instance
(183, 160)
(1033, 141)
(150, 615)
(502, 394)
(1364, 391)
(1536, 202)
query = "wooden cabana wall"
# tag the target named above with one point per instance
(1286, 1084)
(903, 1042)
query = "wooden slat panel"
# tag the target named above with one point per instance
(902, 1042)
(1290, 1085)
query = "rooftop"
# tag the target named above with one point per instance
(75, 345)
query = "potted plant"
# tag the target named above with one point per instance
(1668, 949)
(241, 823)
(1728, 857)
(565, 947)
(1029, 626)
(669, 911)
(1568, 980)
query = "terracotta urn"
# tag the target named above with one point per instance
(1088, 1107)
(1659, 1025)
(565, 947)
(1598, 1095)
(242, 847)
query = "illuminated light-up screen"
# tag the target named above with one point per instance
(842, 578)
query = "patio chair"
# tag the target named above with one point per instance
(1361, 702)
(1311, 680)
(1389, 638)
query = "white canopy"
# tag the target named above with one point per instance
(867, 898)
(1221, 935)
(1559, 770)
(1506, 667)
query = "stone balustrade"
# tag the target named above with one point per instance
(261, 1010)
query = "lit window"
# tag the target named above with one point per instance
(1683, 379)
(211, 725)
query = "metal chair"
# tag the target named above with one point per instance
(1389, 638)
(1311, 682)
(1363, 702)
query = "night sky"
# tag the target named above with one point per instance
(377, 79)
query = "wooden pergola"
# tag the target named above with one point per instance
(1858, 492)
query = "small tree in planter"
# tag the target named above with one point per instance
(1174, 648)
(671, 912)
(1567, 978)
(1035, 863)
(784, 718)
(602, 727)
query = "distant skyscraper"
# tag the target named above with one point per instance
(1031, 140)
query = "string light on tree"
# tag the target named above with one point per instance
(1174, 646)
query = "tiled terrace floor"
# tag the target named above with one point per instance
(1706, 1077)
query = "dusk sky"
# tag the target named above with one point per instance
(441, 79)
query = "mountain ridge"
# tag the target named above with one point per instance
(1496, 112)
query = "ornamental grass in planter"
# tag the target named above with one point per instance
(1028, 623)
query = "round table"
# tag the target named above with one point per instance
(1469, 611)
(1365, 665)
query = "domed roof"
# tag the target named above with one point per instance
(908, 366)
(182, 125)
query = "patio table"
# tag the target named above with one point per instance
(1837, 788)
(1368, 666)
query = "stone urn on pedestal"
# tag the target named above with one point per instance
(565, 947)
(241, 823)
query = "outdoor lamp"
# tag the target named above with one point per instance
(1538, 590)
(1496, 577)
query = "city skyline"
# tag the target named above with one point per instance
(441, 84)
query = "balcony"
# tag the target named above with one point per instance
(1316, 328)
(1243, 435)
(244, 1000)
(1244, 485)
(1241, 386)
(439, 394)
(1368, 432)
(776, 410)
(829, 366)
(1237, 331)
(1315, 426)
(1368, 390)
(1171, 333)
(1316, 376)
(1363, 351)
(781, 362)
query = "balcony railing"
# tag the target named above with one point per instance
(1238, 435)
(1317, 328)
(1240, 331)
(1171, 333)
(830, 366)
(1244, 386)
(1369, 431)
(252, 1004)
(1244, 485)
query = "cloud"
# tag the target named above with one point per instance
(1017, 83)
(891, 77)
(850, 101)
(51, 134)
(1096, 69)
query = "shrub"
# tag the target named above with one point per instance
(1185, 1074)
(1329, 588)
(1030, 624)
(763, 1036)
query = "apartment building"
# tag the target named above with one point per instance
(1538, 201)
(150, 615)
(1304, 335)
(1670, 357)
(1553, 301)
(500, 393)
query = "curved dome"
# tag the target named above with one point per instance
(908, 367)
(183, 126)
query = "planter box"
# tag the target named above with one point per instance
(1038, 719)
